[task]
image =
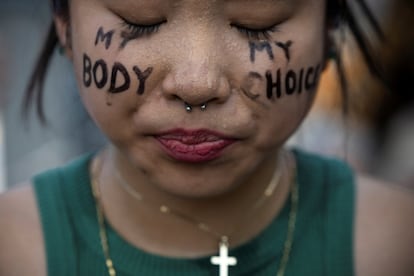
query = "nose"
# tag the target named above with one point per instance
(197, 74)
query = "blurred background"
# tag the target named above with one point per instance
(27, 147)
(378, 132)
(376, 137)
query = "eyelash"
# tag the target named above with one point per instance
(137, 30)
(256, 34)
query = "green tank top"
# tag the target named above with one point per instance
(323, 241)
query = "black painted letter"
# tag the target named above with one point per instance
(290, 82)
(142, 77)
(260, 46)
(310, 83)
(273, 85)
(104, 73)
(101, 36)
(87, 74)
(301, 80)
(285, 47)
(119, 68)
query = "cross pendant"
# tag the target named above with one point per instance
(224, 261)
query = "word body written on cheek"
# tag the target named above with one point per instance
(115, 77)
(305, 79)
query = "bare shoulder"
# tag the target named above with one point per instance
(21, 240)
(384, 234)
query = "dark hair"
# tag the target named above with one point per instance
(34, 90)
(339, 14)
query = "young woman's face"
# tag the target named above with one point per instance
(248, 69)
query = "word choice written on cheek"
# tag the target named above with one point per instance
(115, 78)
(305, 79)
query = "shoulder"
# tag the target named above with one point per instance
(21, 238)
(384, 236)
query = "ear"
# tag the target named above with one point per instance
(63, 31)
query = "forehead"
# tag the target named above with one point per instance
(251, 13)
(198, 3)
(160, 2)
(214, 7)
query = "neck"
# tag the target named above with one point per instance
(142, 223)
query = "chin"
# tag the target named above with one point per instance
(202, 184)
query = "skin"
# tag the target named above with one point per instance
(197, 57)
(203, 62)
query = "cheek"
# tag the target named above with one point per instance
(280, 84)
(103, 67)
(280, 76)
(287, 65)
(110, 80)
(278, 123)
(113, 76)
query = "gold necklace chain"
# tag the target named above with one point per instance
(294, 197)
(267, 193)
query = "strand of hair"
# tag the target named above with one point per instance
(374, 23)
(363, 44)
(36, 81)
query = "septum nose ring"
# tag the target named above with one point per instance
(189, 108)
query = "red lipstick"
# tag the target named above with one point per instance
(194, 146)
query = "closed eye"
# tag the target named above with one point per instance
(134, 31)
(256, 33)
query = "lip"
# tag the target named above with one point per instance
(194, 146)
